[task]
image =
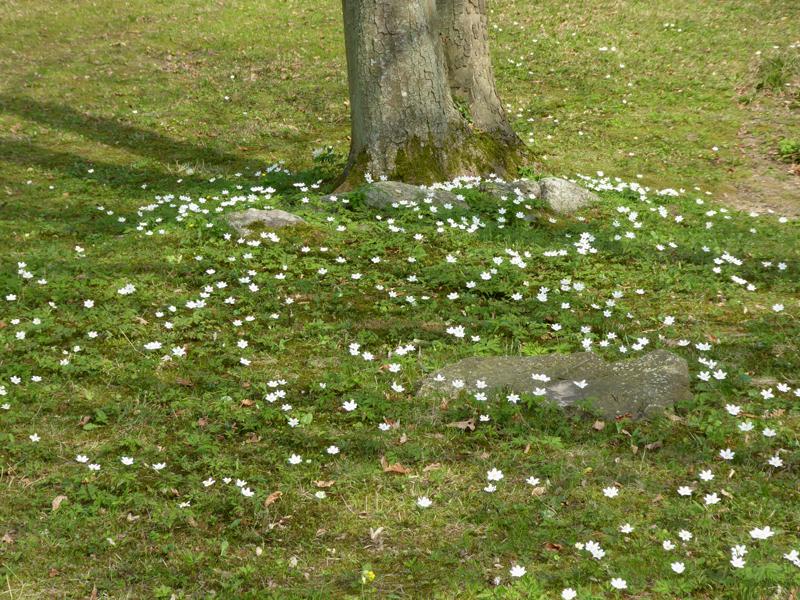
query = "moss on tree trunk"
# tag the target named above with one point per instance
(422, 97)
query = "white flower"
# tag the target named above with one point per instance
(517, 571)
(159, 466)
(320, 495)
(727, 454)
(126, 460)
(349, 405)
(769, 432)
(295, 459)
(247, 492)
(626, 528)
(208, 482)
(733, 409)
(611, 492)
(685, 535)
(777, 307)
(685, 490)
(490, 488)
(568, 594)
(678, 567)
(738, 562)
(711, 499)
(706, 475)
(494, 475)
(332, 450)
(775, 461)
(668, 545)
(152, 346)
(424, 502)
(619, 584)
(82, 458)
(532, 480)
(793, 557)
(761, 534)
(34, 437)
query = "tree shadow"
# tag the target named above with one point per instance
(116, 133)
(26, 154)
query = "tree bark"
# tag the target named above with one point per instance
(406, 62)
(464, 29)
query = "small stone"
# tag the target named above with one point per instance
(384, 194)
(246, 221)
(640, 387)
(564, 196)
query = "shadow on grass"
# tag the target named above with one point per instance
(111, 132)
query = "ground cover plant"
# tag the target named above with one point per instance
(188, 413)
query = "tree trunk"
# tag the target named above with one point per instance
(409, 62)
(464, 30)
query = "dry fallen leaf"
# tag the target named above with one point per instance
(247, 402)
(655, 445)
(403, 439)
(57, 502)
(537, 491)
(599, 425)
(272, 498)
(432, 467)
(553, 547)
(324, 484)
(395, 468)
(468, 425)
(184, 382)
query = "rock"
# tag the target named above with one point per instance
(640, 387)
(247, 220)
(526, 188)
(383, 194)
(565, 197)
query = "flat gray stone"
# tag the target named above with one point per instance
(640, 387)
(565, 197)
(246, 221)
(525, 188)
(384, 194)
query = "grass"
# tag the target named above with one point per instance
(156, 104)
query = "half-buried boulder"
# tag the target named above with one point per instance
(565, 197)
(525, 188)
(640, 387)
(253, 219)
(385, 194)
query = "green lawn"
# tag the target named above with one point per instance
(124, 126)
